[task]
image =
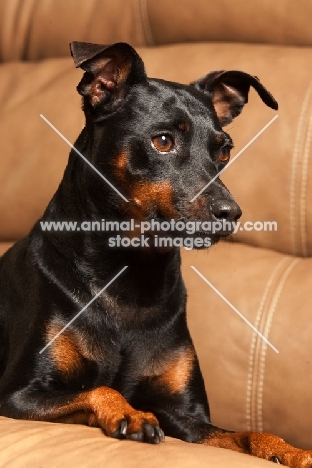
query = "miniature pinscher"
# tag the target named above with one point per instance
(127, 364)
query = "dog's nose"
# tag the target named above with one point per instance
(226, 209)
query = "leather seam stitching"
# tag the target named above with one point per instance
(266, 333)
(253, 359)
(139, 21)
(303, 195)
(294, 169)
(145, 22)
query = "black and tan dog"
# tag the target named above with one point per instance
(127, 364)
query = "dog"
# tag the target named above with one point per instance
(127, 364)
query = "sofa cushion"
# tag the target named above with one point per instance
(29, 444)
(36, 29)
(250, 386)
(4, 246)
(32, 29)
(244, 21)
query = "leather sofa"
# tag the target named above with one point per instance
(264, 274)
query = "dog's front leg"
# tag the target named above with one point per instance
(191, 428)
(101, 407)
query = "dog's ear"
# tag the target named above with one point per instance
(110, 70)
(229, 92)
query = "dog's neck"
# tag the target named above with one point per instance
(148, 267)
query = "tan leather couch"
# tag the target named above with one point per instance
(266, 275)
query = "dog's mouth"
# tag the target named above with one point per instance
(208, 219)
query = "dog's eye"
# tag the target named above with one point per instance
(225, 154)
(163, 143)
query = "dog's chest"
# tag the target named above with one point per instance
(86, 357)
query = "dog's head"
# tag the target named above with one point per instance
(160, 143)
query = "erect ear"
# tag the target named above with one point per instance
(110, 70)
(229, 92)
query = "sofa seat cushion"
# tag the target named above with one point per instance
(32, 444)
(250, 386)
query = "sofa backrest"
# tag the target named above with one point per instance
(36, 29)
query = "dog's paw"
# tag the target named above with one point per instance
(302, 459)
(298, 459)
(278, 451)
(117, 418)
(261, 445)
(138, 426)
